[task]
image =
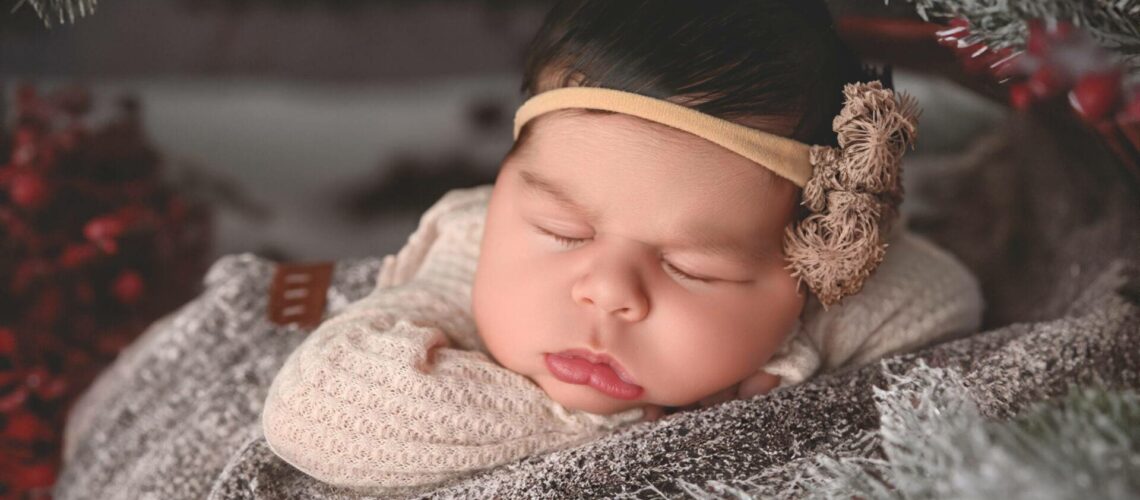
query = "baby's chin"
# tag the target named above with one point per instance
(584, 398)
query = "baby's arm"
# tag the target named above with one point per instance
(375, 403)
(919, 294)
(378, 398)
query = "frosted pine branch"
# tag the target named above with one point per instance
(1115, 24)
(933, 442)
(937, 445)
(66, 11)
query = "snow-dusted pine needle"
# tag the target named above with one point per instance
(66, 11)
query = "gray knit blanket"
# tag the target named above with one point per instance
(1051, 231)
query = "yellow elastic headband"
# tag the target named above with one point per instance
(788, 158)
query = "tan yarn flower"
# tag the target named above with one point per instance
(854, 192)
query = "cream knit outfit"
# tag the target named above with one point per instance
(397, 393)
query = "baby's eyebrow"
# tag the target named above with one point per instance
(729, 248)
(536, 183)
(699, 241)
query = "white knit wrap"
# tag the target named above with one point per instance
(397, 390)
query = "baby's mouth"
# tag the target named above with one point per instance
(598, 371)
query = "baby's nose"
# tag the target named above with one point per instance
(617, 292)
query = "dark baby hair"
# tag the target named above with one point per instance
(735, 59)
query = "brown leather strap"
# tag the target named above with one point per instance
(297, 295)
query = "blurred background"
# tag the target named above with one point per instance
(319, 130)
(146, 140)
(316, 130)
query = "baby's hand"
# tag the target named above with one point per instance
(652, 412)
(760, 383)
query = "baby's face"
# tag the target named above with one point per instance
(662, 251)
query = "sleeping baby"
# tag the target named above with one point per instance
(701, 204)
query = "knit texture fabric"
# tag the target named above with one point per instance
(397, 391)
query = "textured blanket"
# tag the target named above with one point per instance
(1043, 217)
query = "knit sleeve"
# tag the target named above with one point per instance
(383, 398)
(920, 294)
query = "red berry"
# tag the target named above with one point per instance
(974, 64)
(128, 287)
(50, 387)
(1036, 43)
(23, 155)
(965, 52)
(13, 399)
(959, 28)
(104, 230)
(25, 136)
(110, 247)
(28, 272)
(107, 227)
(1046, 81)
(8, 375)
(8, 370)
(69, 138)
(46, 158)
(45, 310)
(26, 426)
(36, 377)
(33, 476)
(1131, 110)
(14, 225)
(1095, 95)
(129, 215)
(1004, 62)
(30, 191)
(991, 61)
(77, 255)
(7, 341)
(1020, 97)
(84, 293)
(76, 359)
(112, 342)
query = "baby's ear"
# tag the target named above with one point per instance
(760, 383)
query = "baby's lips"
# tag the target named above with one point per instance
(598, 375)
(602, 358)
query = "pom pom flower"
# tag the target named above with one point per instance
(853, 194)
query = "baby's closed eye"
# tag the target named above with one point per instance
(669, 267)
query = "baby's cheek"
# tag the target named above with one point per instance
(495, 322)
(504, 311)
(705, 352)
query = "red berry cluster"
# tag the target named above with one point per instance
(94, 245)
(1059, 60)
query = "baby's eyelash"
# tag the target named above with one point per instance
(669, 267)
(683, 274)
(561, 239)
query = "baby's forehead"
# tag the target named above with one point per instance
(568, 137)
